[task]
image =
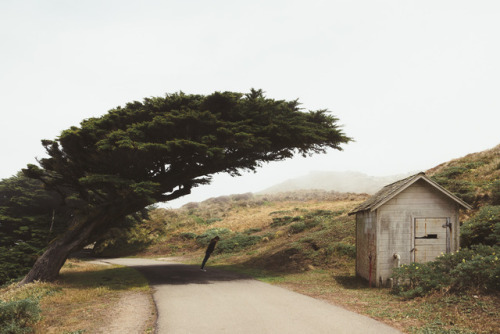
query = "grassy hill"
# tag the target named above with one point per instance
(288, 231)
(475, 178)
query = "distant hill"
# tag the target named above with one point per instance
(344, 182)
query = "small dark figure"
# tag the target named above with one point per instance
(209, 251)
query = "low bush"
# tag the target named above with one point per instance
(298, 227)
(494, 188)
(344, 249)
(252, 230)
(237, 242)
(204, 239)
(282, 221)
(18, 316)
(303, 225)
(187, 235)
(212, 220)
(482, 228)
(475, 269)
(16, 261)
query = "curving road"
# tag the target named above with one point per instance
(192, 301)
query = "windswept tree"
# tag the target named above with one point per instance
(159, 149)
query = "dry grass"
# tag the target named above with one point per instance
(81, 298)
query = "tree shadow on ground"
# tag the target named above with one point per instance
(179, 274)
(115, 278)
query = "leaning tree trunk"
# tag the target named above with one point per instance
(48, 265)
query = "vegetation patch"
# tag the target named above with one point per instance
(187, 235)
(19, 315)
(237, 242)
(482, 228)
(204, 239)
(78, 302)
(474, 270)
(282, 221)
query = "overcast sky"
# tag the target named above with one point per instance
(415, 83)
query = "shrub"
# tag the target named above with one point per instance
(464, 189)
(494, 187)
(320, 212)
(16, 261)
(212, 220)
(252, 230)
(17, 316)
(482, 228)
(298, 227)
(237, 242)
(204, 239)
(344, 249)
(303, 225)
(474, 269)
(282, 221)
(187, 235)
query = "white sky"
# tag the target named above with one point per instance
(415, 83)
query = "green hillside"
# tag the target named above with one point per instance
(475, 178)
(285, 232)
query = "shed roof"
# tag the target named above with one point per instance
(391, 190)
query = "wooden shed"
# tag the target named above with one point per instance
(411, 220)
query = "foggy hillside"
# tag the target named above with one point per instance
(354, 182)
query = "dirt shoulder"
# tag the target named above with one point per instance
(134, 312)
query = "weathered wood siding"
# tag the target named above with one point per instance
(395, 219)
(366, 228)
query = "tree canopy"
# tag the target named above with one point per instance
(159, 149)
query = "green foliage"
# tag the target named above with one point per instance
(188, 235)
(494, 187)
(306, 221)
(210, 221)
(16, 261)
(482, 228)
(30, 217)
(145, 150)
(344, 249)
(252, 230)
(310, 220)
(201, 221)
(16, 317)
(298, 227)
(475, 269)
(237, 242)
(456, 179)
(204, 239)
(474, 178)
(282, 221)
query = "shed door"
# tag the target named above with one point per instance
(431, 238)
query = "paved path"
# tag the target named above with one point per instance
(216, 301)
